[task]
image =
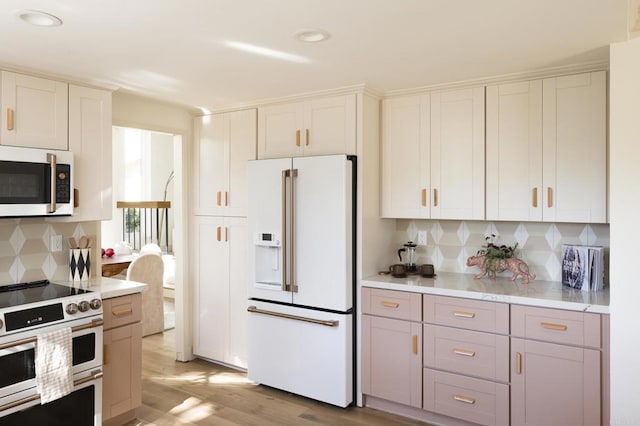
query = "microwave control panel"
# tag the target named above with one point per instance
(63, 183)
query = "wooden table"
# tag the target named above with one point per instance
(115, 264)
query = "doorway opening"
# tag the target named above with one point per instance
(147, 166)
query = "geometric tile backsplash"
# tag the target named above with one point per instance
(25, 253)
(451, 242)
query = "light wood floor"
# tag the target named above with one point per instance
(203, 393)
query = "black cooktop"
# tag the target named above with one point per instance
(35, 291)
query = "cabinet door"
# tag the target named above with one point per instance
(392, 360)
(212, 164)
(405, 157)
(34, 112)
(457, 154)
(554, 384)
(330, 126)
(212, 288)
(237, 333)
(514, 151)
(122, 380)
(280, 130)
(90, 141)
(241, 137)
(575, 148)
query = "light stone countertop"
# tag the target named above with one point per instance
(109, 287)
(548, 294)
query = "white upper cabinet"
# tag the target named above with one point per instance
(405, 157)
(457, 154)
(546, 150)
(34, 112)
(319, 126)
(574, 135)
(433, 155)
(514, 151)
(224, 144)
(90, 139)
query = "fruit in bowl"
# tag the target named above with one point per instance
(109, 252)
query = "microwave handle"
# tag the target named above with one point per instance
(51, 158)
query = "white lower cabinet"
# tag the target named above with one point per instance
(220, 247)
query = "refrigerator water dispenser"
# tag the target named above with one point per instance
(268, 258)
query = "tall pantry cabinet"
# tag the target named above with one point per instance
(224, 144)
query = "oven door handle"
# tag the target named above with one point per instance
(95, 376)
(92, 324)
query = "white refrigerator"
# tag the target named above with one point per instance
(301, 276)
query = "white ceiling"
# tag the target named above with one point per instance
(176, 50)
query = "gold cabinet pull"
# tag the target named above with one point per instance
(415, 345)
(9, 119)
(549, 197)
(464, 352)
(218, 197)
(424, 198)
(553, 326)
(534, 200)
(463, 314)
(226, 234)
(297, 137)
(122, 311)
(306, 137)
(518, 363)
(435, 197)
(226, 198)
(465, 399)
(389, 304)
(218, 233)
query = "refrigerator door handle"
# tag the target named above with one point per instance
(285, 286)
(327, 323)
(292, 268)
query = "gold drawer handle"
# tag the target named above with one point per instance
(518, 363)
(549, 197)
(435, 197)
(464, 352)
(535, 197)
(122, 311)
(219, 198)
(415, 345)
(463, 314)
(390, 304)
(552, 326)
(297, 137)
(424, 198)
(465, 399)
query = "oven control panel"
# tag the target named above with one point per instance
(24, 317)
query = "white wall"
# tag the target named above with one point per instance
(143, 113)
(624, 207)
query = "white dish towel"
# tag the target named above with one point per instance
(54, 365)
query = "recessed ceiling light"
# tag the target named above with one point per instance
(312, 36)
(40, 19)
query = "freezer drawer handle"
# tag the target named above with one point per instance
(328, 323)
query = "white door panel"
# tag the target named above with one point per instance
(322, 236)
(308, 359)
(265, 216)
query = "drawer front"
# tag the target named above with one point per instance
(557, 326)
(122, 310)
(393, 304)
(474, 400)
(467, 352)
(463, 313)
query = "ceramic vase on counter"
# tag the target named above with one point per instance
(79, 264)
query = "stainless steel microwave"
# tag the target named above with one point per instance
(35, 182)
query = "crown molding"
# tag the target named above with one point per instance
(506, 78)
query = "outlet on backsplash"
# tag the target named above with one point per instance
(422, 238)
(56, 243)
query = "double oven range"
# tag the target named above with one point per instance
(28, 309)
